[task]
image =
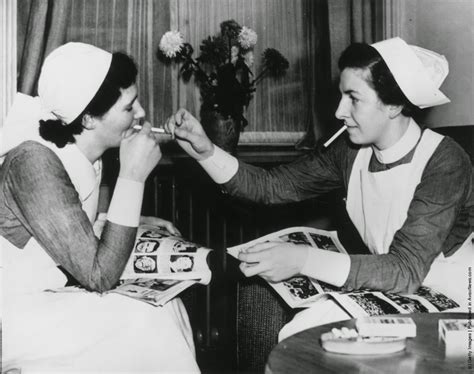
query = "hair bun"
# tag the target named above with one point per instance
(54, 131)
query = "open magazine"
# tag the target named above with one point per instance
(161, 266)
(303, 292)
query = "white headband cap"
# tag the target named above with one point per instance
(70, 77)
(419, 72)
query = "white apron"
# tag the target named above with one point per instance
(47, 332)
(377, 204)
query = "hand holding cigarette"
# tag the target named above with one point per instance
(189, 134)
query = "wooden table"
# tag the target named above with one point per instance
(302, 353)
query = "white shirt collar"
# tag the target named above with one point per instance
(22, 124)
(404, 145)
(84, 176)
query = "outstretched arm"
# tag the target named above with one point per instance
(307, 177)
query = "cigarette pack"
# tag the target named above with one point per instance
(386, 326)
(455, 335)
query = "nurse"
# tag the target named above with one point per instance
(49, 188)
(408, 188)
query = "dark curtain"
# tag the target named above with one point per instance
(331, 25)
(45, 22)
(318, 83)
(346, 22)
(351, 21)
(363, 24)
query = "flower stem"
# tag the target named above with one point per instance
(259, 77)
(196, 65)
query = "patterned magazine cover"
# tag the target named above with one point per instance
(158, 254)
(372, 303)
(161, 266)
(152, 291)
(303, 292)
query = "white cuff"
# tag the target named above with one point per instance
(221, 166)
(126, 203)
(327, 266)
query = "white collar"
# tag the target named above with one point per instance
(22, 124)
(84, 175)
(404, 145)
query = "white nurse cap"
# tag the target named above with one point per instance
(419, 72)
(70, 77)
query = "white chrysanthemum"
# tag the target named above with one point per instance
(249, 59)
(247, 38)
(171, 43)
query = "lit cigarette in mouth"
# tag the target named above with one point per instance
(158, 130)
(339, 132)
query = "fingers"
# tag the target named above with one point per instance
(147, 131)
(176, 120)
(273, 260)
(261, 246)
(139, 154)
(171, 228)
(253, 257)
(146, 128)
(249, 270)
(170, 126)
(160, 222)
(262, 269)
(181, 116)
(258, 252)
(128, 133)
(183, 134)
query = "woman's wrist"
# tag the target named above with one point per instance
(327, 266)
(131, 175)
(303, 257)
(220, 165)
(208, 152)
(126, 203)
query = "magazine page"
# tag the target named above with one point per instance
(316, 238)
(302, 291)
(158, 254)
(372, 303)
(299, 291)
(152, 291)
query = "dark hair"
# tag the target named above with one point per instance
(122, 74)
(364, 56)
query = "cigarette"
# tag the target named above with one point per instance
(339, 132)
(158, 130)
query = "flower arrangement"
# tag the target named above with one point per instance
(223, 68)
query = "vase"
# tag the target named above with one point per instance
(223, 131)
